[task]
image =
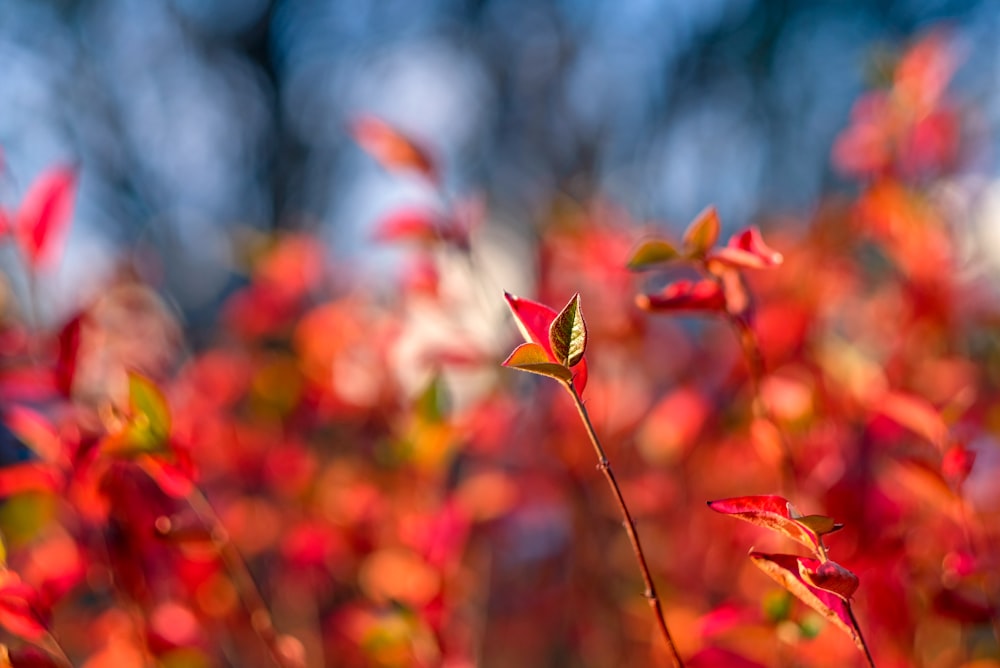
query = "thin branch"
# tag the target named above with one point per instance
(259, 615)
(604, 465)
(755, 363)
(861, 637)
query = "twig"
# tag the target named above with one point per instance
(259, 615)
(861, 637)
(605, 466)
(755, 362)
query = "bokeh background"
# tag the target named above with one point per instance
(399, 498)
(197, 121)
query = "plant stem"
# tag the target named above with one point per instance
(861, 637)
(257, 611)
(605, 467)
(755, 362)
(51, 645)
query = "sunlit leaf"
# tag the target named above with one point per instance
(391, 148)
(650, 253)
(532, 358)
(784, 569)
(42, 221)
(702, 233)
(568, 333)
(533, 320)
(829, 576)
(819, 524)
(775, 513)
(147, 427)
(747, 250)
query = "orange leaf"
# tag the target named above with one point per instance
(532, 358)
(391, 148)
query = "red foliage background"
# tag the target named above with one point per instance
(348, 478)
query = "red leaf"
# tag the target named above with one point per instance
(717, 657)
(776, 513)
(963, 607)
(174, 479)
(534, 321)
(16, 612)
(785, 570)
(35, 431)
(69, 348)
(914, 413)
(32, 477)
(832, 577)
(421, 226)
(702, 295)
(747, 250)
(391, 148)
(957, 463)
(43, 219)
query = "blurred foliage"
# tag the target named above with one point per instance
(351, 464)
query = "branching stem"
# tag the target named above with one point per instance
(605, 467)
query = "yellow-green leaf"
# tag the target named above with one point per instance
(820, 524)
(651, 252)
(702, 233)
(532, 358)
(568, 334)
(149, 422)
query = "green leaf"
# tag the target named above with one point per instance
(149, 425)
(532, 358)
(568, 334)
(431, 404)
(820, 524)
(651, 252)
(702, 233)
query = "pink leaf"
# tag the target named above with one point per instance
(43, 219)
(703, 295)
(785, 570)
(830, 576)
(747, 250)
(776, 513)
